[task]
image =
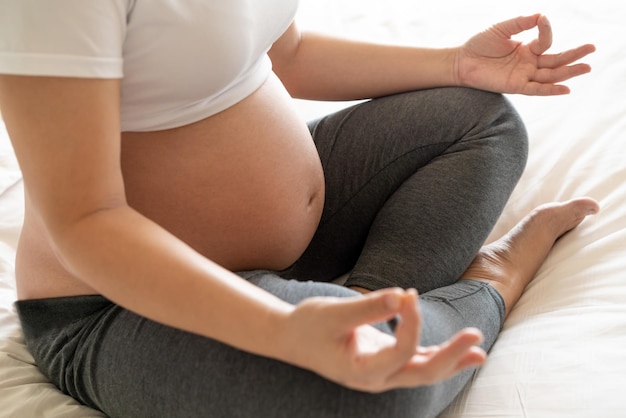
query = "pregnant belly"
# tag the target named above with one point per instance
(244, 187)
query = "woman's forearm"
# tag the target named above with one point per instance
(142, 267)
(326, 68)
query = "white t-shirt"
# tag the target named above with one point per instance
(180, 60)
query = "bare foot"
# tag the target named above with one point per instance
(510, 263)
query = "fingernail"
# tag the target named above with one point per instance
(478, 333)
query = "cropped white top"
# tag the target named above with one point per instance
(180, 60)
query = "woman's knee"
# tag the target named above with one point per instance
(502, 120)
(494, 125)
(470, 114)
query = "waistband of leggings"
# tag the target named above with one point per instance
(42, 316)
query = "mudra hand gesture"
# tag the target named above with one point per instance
(493, 61)
(332, 337)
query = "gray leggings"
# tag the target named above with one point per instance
(414, 184)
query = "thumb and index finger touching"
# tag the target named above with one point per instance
(544, 41)
(523, 23)
(379, 306)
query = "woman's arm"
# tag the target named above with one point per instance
(314, 66)
(65, 132)
(319, 67)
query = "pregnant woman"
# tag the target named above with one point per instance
(184, 227)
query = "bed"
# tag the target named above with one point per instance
(562, 352)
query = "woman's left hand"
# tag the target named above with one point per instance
(493, 61)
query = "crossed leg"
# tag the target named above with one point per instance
(510, 263)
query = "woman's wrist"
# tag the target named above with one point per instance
(455, 64)
(436, 67)
(278, 342)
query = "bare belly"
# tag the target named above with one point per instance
(244, 187)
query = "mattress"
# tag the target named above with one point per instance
(561, 352)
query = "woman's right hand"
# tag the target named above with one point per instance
(332, 337)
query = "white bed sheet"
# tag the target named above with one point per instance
(561, 352)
